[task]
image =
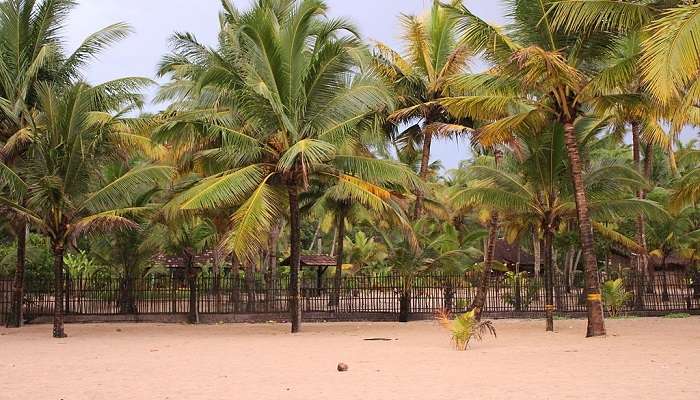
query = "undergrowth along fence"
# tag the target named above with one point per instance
(358, 296)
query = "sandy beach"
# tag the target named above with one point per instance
(648, 358)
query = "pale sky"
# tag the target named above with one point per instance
(154, 21)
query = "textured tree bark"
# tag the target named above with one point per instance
(16, 317)
(548, 278)
(58, 315)
(405, 305)
(596, 322)
(340, 247)
(295, 257)
(424, 170)
(480, 299)
(127, 298)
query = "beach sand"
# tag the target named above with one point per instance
(645, 358)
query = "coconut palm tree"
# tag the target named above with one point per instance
(289, 103)
(348, 198)
(622, 77)
(534, 192)
(31, 51)
(122, 249)
(663, 62)
(539, 80)
(70, 138)
(419, 77)
(185, 236)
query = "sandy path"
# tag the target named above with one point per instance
(640, 359)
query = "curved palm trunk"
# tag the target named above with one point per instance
(295, 255)
(58, 315)
(16, 317)
(337, 279)
(481, 291)
(480, 299)
(596, 322)
(424, 170)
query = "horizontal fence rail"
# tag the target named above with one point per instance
(357, 295)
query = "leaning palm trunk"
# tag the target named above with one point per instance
(16, 317)
(295, 257)
(596, 322)
(480, 299)
(338, 278)
(58, 315)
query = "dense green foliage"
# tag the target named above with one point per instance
(291, 134)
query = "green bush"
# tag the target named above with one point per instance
(38, 264)
(465, 328)
(615, 296)
(521, 290)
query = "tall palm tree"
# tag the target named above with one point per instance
(289, 102)
(433, 56)
(123, 249)
(623, 93)
(533, 192)
(31, 51)
(70, 138)
(539, 79)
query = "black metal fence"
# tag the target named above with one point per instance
(357, 297)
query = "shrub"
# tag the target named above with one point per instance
(677, 315)
(614, 296)
(465, 327)
(522, 291)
